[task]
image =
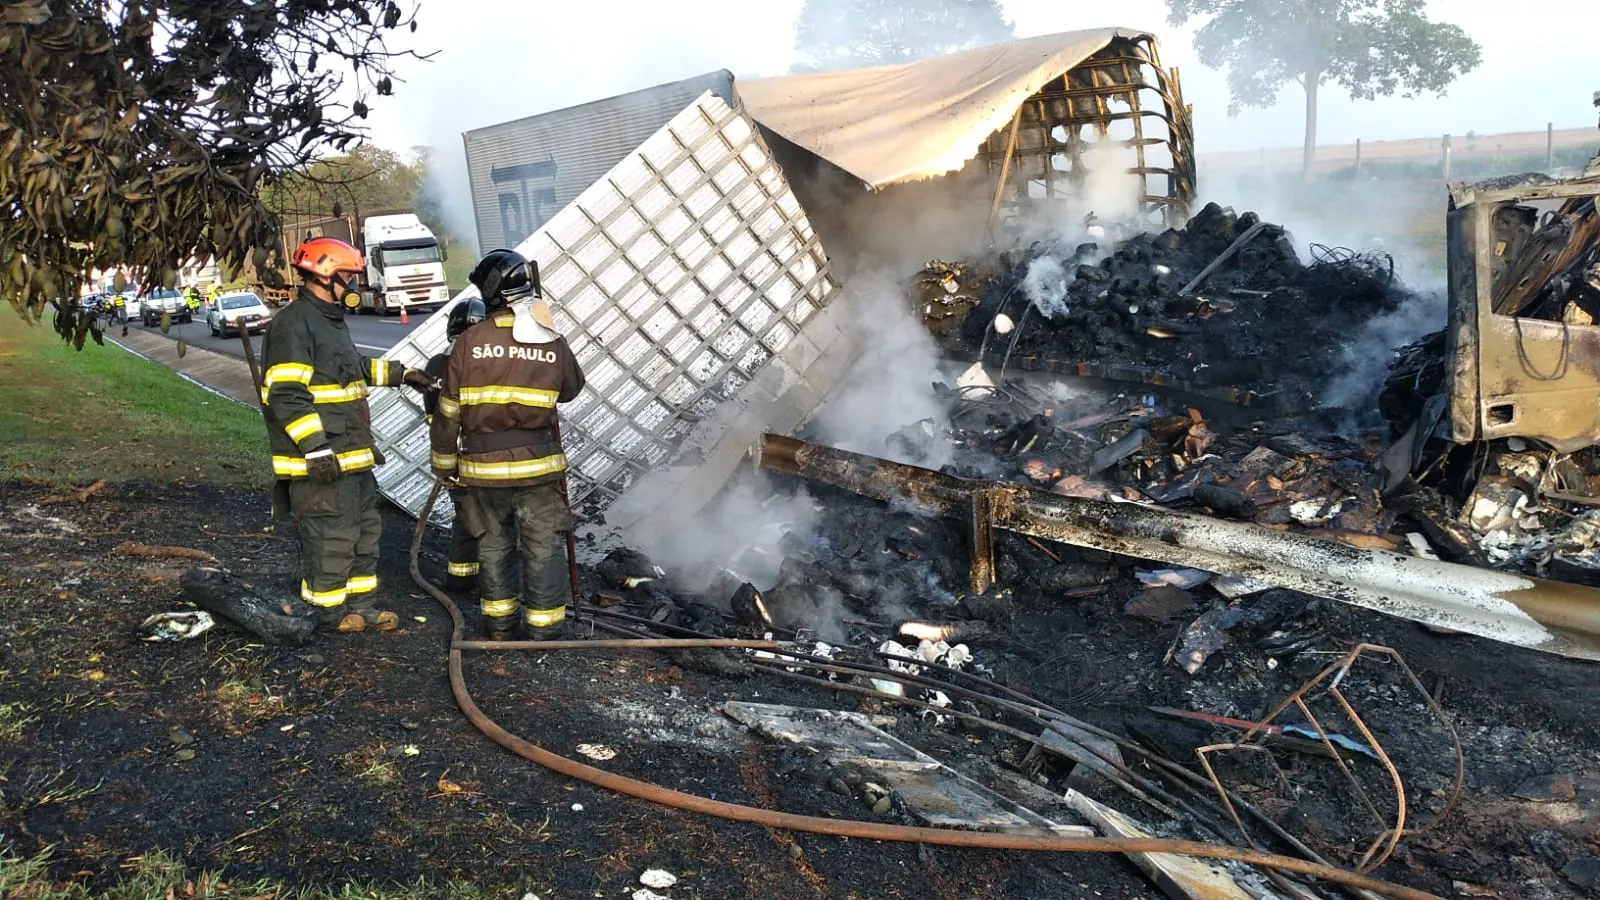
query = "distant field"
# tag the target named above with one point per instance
(1462, 149)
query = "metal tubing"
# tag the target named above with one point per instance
(636, 644)
(1516, 609)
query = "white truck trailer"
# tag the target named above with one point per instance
(685, 276)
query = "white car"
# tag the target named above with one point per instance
(228, 313)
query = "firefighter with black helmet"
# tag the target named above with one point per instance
(497, 436)
(461, 570)
(314, 399)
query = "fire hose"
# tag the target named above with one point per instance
(655, 793)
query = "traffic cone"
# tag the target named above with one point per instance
(404, 319)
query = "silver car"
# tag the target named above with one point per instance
(229, 313)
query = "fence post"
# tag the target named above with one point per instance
(1445, 143)
(1549, 146)
(1358, 156)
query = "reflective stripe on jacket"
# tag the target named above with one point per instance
(495, 384)
(314, 388)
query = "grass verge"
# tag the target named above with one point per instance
(70, 417)
(157, 876)
(458, 267)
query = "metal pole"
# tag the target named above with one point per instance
(1248, 236)
(1446, 144)
(250, 360)
(1516, 609)
(1358, 156)
(1549, 146)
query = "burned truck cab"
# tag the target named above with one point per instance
(1523, 346)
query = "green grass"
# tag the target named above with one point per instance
(14, 721)
(157, 876)
(68, 418)
(458, 267)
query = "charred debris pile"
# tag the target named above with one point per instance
(1244, 351)
(1223, 306)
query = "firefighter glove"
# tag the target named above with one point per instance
(416, 378)
(378, 458)
(322, 467)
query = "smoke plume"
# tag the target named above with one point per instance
(1045, 286)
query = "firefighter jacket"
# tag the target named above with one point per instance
(496, 421)
(314, 388)
(435, 368)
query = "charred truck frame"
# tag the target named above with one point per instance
(1523, 346)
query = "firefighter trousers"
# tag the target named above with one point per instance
(463, 564)
(521, 553)
(339, 528)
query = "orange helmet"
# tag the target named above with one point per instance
(327, 257)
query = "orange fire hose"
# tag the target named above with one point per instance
(879, 831)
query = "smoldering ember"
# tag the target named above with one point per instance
(1035, 524)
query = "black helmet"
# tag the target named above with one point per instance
(464, 315)
(504, 277)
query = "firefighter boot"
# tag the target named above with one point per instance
(500, 628)
(331, 618)
(369, 617)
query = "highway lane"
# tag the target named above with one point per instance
(373, 334)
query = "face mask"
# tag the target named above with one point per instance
(347, 293)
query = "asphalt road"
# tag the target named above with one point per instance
(373, 334)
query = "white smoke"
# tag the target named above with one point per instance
(1111, 190)
(738, 534)
(1045, 286)
(891, 385)
(1366, 359)
(505, 60)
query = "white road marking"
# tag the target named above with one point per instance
(371, 347)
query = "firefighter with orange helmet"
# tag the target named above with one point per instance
(314, 399)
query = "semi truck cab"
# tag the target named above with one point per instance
(405, 265)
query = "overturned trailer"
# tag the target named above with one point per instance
(693, 292)
(674, 229)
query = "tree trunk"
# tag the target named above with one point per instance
(1309, 153)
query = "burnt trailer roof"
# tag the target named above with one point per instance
(1039, 101)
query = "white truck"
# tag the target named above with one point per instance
(405, 265)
